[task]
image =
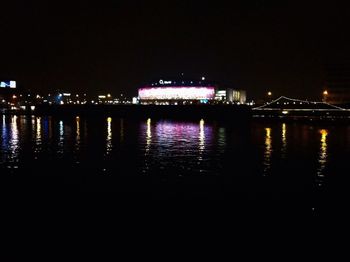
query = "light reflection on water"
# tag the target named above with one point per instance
(172, 146)
(322, 160)
(109, 146)
(201, 140)
(148, 135)
(50, 129)
(268, 151)
(284, 141)
(221, 140)
(4, 139)
(60, 138)
(14, 141)
(77, 135)
(10, 142)
(146, 164)
(38, 134)
(176, 144)
(38, 130)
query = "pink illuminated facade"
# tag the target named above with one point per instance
(177, 93)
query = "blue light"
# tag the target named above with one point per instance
(8, 84)
(58, 98)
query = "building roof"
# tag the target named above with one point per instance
(178, 83)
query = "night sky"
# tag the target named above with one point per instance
(116, 46)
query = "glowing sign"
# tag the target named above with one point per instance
(8, 84)
(162, 82)
(177, 93)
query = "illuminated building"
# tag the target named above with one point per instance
(220, 95)
(237, 96)
(177, 91)
(8, 93)
(64, 98)
(232, 96)
(8, 84)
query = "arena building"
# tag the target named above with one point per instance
(177, 92)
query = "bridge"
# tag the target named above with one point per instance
(284, 106)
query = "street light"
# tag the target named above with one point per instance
(325, 95)
(269, 97)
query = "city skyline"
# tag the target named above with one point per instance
(98, 48)
(206, 110)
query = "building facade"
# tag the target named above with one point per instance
(231, 96)
(177, 92)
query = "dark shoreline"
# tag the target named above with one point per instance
(144, 111)
(226, 113)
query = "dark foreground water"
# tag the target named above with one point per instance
(282, 163)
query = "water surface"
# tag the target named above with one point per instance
(176, 159)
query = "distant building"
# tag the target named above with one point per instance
(8, 84)
(180, 91)
(232, 96)
(60, 97)
(337, 89)
(238, 96)
(8, 93)
(220, 95)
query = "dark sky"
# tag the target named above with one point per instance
(118, 45)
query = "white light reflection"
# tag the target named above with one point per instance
(38, 140)
(33, 128)
(148, 135)
(14, 141)
(109, 136)
(201, 139)
(61, 137)
(147, 146)
(268, 151)
(322, 160)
